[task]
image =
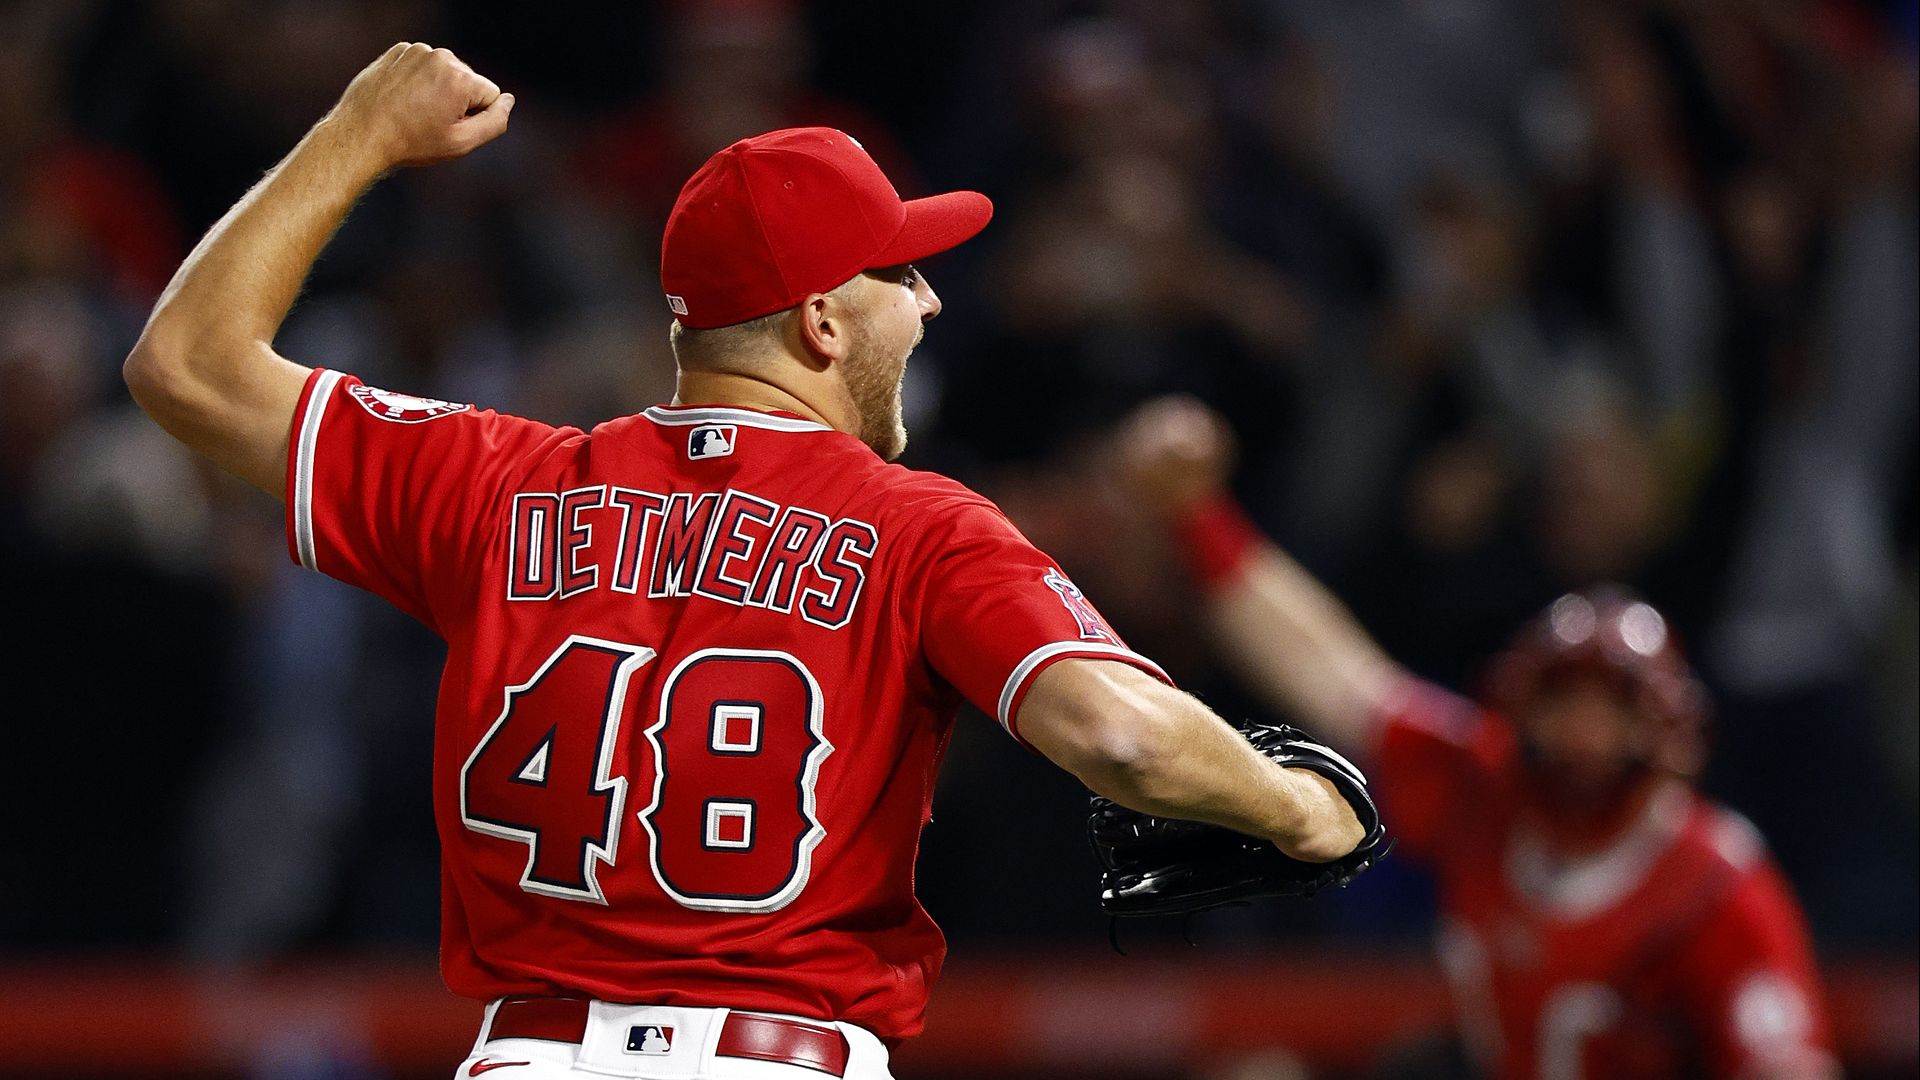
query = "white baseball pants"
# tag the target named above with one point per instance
(687, 1055)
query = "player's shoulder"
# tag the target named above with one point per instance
(457, 432)
(938, 510)
(1720, 843)
(911, 499)
(1718, 834)
(1754, 911)
(919, 491)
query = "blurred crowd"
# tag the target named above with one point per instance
(1501, 296)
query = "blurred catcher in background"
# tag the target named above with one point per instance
(1501, 298)
(1600, 917)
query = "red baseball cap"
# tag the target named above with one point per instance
(773, 218)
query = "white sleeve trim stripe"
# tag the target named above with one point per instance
(1025, 669)
(306, 436)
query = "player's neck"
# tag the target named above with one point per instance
(745, 392)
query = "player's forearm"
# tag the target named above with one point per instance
(236, 287)
(1155, 749)
(1197, 768)
(1295, 643)
(1289, 638)
(205, 368)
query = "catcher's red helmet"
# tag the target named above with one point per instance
(1612, 632)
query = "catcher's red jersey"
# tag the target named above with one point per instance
(1677, 951)
(701, 667)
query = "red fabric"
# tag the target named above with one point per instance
(1218, 538)
(1748, 980)
(854, 604)
(773, 218)
(1439, 756)
(1682, 954)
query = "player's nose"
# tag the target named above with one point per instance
(929, 300)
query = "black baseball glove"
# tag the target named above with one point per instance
(1163, 866)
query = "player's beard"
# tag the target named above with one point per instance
(874, 381)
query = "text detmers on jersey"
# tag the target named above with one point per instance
(728, 546)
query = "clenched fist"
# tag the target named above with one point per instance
(1175, 451)
(417, 105)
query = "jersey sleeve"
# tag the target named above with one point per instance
(392, 493)
(1439, 754)
(996, 612)
(1750, 986)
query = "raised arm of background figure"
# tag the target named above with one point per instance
(1289, 638)
(1155, 749)
(205, 368)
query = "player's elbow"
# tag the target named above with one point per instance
(159, 371)
(145, 373)
(156, 359)
(149, 379)
(1128, 750)
(1116, 732)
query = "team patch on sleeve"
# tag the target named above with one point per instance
(402, 408)
(1092, 626)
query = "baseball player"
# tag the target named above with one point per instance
(701, 661)
(1600, 918)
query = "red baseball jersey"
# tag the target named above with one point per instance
(1678, 950)
(701, 667)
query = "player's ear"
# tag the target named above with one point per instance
(825, 329)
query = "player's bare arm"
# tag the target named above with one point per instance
(205, 368)
(1155, 749)
(1292, 640)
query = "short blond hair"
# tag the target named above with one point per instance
(741, 344)
(723, 347)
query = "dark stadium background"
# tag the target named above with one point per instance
(1502, 296)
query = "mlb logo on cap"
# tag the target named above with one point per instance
(649, 1039)
(711, 441)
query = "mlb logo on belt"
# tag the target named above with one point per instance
(649, 1039)
(711, 441)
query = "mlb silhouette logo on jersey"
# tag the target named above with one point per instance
(649, 1039)
(711, 441)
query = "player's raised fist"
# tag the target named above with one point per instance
(416, 105)
(1175, 452)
